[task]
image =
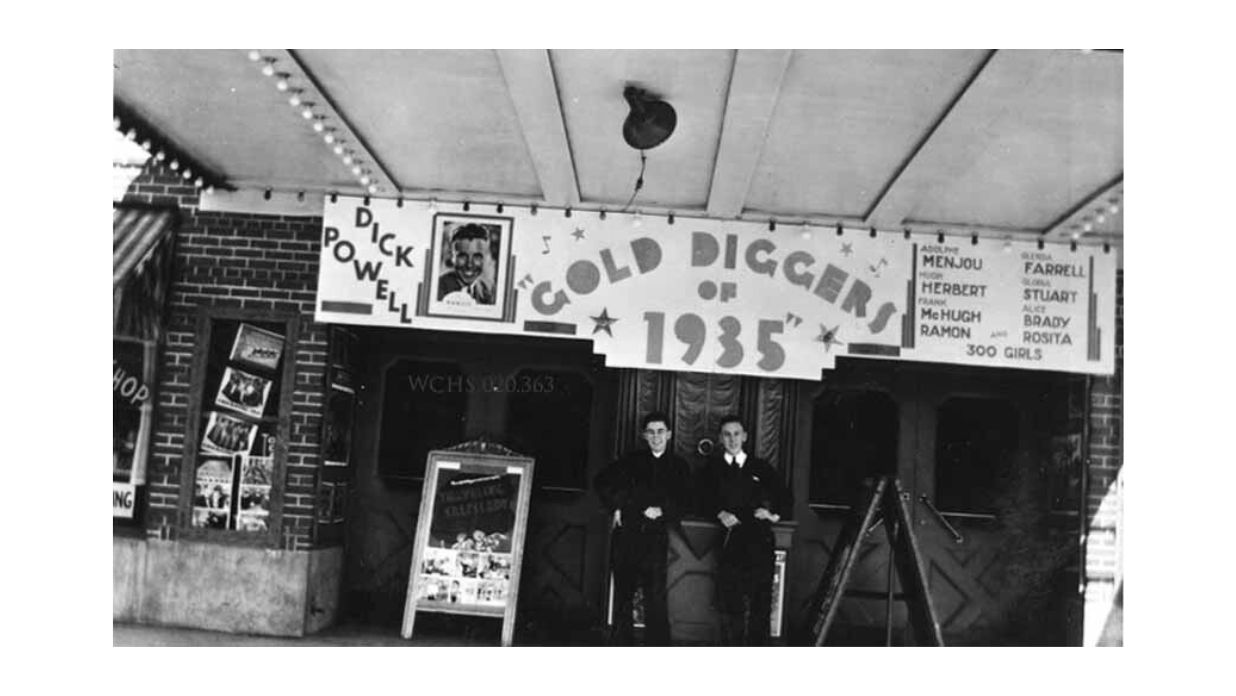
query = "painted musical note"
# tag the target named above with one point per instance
(546, 239)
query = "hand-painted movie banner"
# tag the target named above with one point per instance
(469, 537)
(707, 295)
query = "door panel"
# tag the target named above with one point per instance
(970, 445)
(982, 438)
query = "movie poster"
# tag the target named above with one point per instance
(243, 392)
(468, 560)
(326, 502)
(227, 434)
(212, 494)
(253, 513)
(778, 593)
(1065, 472)
(257, 347)
(337, 428)
(340, 505)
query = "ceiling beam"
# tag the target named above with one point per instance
(755, 85)
(963, 131)
(529, 76)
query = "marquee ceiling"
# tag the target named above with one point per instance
(997, 143)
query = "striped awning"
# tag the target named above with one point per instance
(140, 263)
(136, 233)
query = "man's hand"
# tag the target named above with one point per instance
(728, 519)
(652, 513)
(617, 518)
(764, 514)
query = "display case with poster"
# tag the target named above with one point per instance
(240, 401)
(470, 535)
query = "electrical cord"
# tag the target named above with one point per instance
(639, 182)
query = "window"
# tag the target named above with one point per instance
(976, 439)
(549, 419)
(132, 399)
(853, 437)
(424, 408)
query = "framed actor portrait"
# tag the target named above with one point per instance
(469, 266)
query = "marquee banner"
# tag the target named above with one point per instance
(715, 296)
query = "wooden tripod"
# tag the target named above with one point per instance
(887, 497)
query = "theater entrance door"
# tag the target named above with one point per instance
(971, 449)
(551, 400)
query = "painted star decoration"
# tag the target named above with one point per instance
(828, 337)
(847, 248)
(604, 322)
(578, 234)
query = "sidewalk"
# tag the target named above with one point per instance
(134, 635)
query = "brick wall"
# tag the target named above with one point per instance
(232, 260)
(1104, 572)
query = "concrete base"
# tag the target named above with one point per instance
(225, 588)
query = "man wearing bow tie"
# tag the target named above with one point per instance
(645, 492)
(745, 494)
(470, 247)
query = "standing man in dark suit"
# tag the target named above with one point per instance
(646, 493)
(745, 494)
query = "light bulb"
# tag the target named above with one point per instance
(637, 221)
(131, 135)
(198, 183)
(1087, 227)
(282, 85)
(356, 170)
(175, 165)
(255, 55)
(210, 190)
(160, 155)
(1100, 218)
(338, 149)
(146, 145)
(307, 113)
(1113, 209)
(116, 122)
(294, 100)
(1077, 236)
(1008, 245)
(186, 174)
(318, 126)
(373, 189)
(328, 138)
(347, 159)
(269, 69)
(364, 181)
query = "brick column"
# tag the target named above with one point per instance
(1104, 505)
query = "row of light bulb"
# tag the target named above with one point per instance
(160, 156)
(345, 155)
(1097, 217)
